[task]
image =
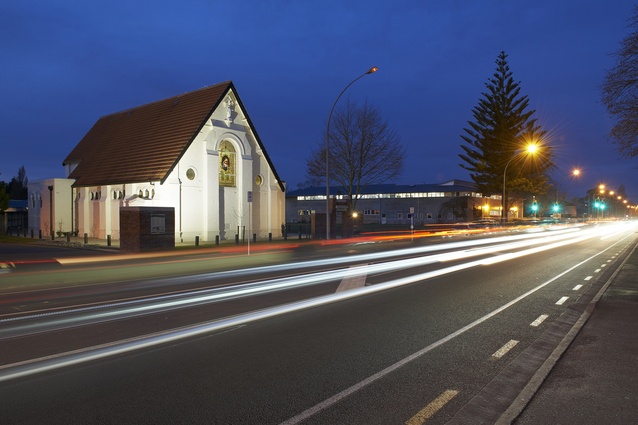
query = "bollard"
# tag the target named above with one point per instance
(40, 234)
(86, 239)
(196, 240)
(68, 237)
(237, 239)
(31, 233)
(270, 237)
(254, 237)
(217, 240)
(108, 240)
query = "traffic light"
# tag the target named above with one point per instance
(556, 207)
(535, 206)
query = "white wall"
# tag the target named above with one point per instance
(41, 210)
(203, 208)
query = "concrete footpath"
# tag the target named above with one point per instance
(595, 380)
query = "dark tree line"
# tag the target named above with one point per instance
(15, 189)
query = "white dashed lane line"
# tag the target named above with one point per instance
(539, 320)
(562, 301)
(505, 349)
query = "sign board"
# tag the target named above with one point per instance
(158, 224)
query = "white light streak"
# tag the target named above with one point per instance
(17, 370)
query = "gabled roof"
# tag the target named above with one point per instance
(145, 143)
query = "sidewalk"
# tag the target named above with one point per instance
(595, 380)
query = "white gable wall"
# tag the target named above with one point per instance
(204, 208)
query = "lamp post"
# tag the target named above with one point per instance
(531, 148)
(369, 71)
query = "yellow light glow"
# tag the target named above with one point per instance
(531, 148)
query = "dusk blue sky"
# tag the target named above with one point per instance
(66, 63)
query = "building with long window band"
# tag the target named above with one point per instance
(452, 201)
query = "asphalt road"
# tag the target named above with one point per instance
(447, 347)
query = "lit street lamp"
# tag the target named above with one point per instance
(531, 148)
(369, 71)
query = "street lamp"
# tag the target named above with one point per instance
(369, 71)
(531, 148)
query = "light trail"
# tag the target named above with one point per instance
(82, 316)
(30, 367)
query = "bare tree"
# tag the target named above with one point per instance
(620, 93)
(364, 150)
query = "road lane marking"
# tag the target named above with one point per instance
(603, 265)
(539, 320)
(61, 360)
(355, 280)
(428, 411)
(562, 301)
(588, 277)
(596, 271)
(577, 287)
(505, 349)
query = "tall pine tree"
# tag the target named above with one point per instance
(502, 127)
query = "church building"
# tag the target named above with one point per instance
(197, 153)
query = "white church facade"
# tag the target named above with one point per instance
(197, 153)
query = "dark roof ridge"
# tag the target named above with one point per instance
(227, 82)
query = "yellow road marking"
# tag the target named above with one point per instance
(429, 410)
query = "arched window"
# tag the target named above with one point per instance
(227, 164)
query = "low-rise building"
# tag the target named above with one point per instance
(448, 202)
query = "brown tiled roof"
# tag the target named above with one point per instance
(145, 143)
